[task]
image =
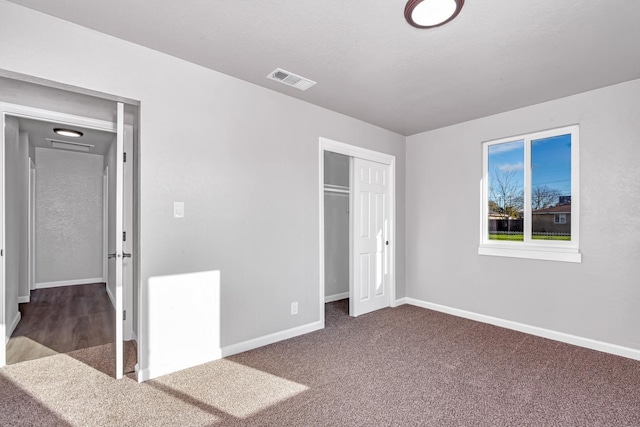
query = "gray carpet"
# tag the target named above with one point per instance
(404, 366)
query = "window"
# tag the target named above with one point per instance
(530, 196)
(560, 219)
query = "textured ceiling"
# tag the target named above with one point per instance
(370, 64)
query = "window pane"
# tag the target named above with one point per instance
(506, 191)
(551, 188)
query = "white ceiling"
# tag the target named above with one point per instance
(370, 64)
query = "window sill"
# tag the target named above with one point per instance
(529, 252)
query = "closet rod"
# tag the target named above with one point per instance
(336, 190)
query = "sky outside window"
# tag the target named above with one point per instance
(506, 174)
(507, 157)
(551, 163)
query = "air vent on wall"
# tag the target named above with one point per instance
(67, 145)
(290, 79)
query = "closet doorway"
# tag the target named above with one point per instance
(357, 227)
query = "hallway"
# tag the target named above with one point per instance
(60, 320)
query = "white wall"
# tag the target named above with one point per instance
(224, 147)
(12, 220)
(336, 220)
(68, 222)
(597, 299)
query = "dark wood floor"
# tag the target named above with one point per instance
(60, 320)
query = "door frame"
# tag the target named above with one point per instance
(21, 111)
(326, 144)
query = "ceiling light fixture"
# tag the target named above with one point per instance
(68, 132)
(431, 13)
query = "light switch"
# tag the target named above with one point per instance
(178, 209)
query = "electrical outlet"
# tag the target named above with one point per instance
(294, 308)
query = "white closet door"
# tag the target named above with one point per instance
(370, 237)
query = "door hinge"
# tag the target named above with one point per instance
(124, 236)
(124, 157)
(1, 252)
(124, 315)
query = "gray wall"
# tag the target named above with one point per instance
(336, 223)
(12, 219)
(68, 222)
(242, 158)
(336, 169)
(336, 243)
(597, 299)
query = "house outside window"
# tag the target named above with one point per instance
(530, 196)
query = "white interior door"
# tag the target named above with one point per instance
(370, 237)
(128, 235)
(32, 219)
(119, 254)
(3, 302)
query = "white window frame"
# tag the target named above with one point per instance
(552, 250)
(560, 218)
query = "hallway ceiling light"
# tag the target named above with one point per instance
(68, 132)
(431, 13)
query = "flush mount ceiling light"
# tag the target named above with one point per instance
(68, 132)
(431, 13)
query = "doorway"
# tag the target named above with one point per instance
(62, 228)
(357, 198)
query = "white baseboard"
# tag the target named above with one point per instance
(22, 300)
(147, 374)
(336, 297)
(12, 326)
(160, 370)
(241, 347)
(399, 302)
(44, 285)
(618, 350)
(111, 297)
